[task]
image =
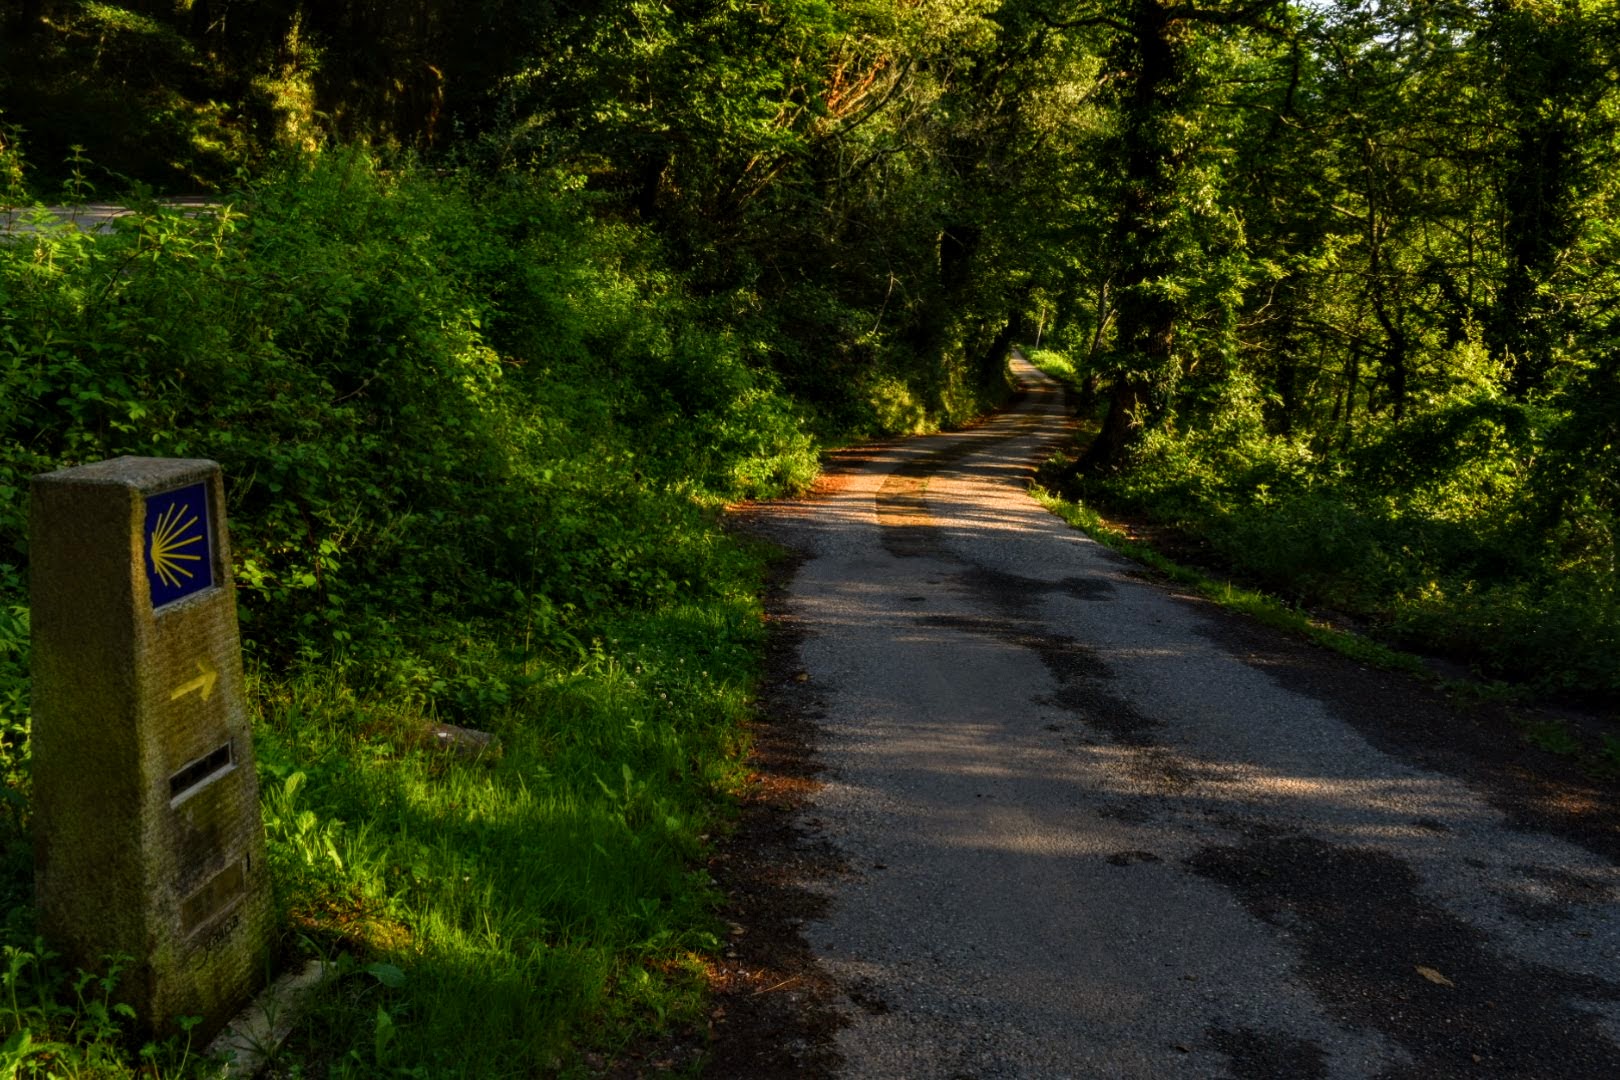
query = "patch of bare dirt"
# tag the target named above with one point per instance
(773, 1013)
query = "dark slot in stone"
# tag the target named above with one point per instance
(199, 771)
(213, 898)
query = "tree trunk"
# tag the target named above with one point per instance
(1128, 402)
(1551, 83)
(993, 364)
(1146, 320)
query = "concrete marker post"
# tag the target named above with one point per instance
(148, 839)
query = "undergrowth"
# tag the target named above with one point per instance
(523, 898)
(475, 444)
(1430, 530)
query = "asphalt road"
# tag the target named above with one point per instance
(95, 217)
(1093, 828)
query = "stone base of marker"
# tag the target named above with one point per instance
(148, 840)
(251, 1040)
(469, 744)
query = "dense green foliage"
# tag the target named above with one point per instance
(471, 438)
(476, 421)
(799, 162)
(505, 299)
(1381, 373)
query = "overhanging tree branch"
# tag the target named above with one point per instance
(1247, 15)
(1052, 23)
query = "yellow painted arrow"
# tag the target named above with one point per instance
(204, 682)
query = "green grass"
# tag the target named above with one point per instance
(1445, 625)
(1055, 364)
(1431, 529)
(1252, 602)
(523, 899)
(1552, 736)
(1256, 604)
(486, 919)
(474, 441)
(1600, 759)
(474, 446)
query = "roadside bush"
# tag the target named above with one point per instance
(1433, 529)
(423, 397)
(474, 443)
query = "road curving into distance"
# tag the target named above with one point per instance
(93, 217)
(1090, 827)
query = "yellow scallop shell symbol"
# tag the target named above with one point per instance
(168, 538)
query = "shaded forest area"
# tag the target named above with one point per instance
(506, 299)
(1341, 276)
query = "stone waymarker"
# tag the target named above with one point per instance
(148, 836)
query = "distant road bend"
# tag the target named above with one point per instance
(1093, 828)
(96, 217)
